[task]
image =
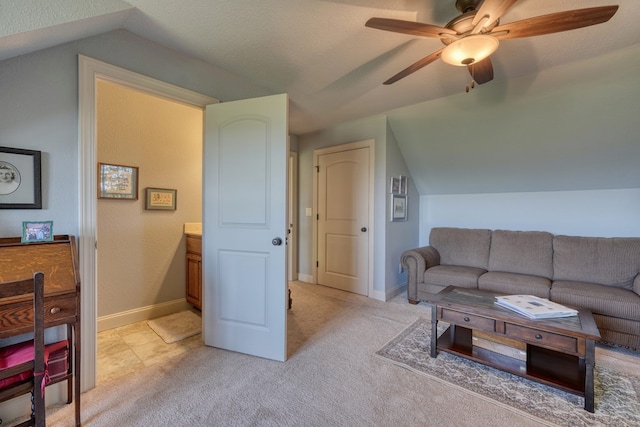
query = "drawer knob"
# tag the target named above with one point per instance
(466, 319)
(55, 310)
(538, 336)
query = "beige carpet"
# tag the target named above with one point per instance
(176, 326)
(332, 378)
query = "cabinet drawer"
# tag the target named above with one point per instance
(18, 318)
(57, 310)
(468, 320)
(542, 338)
(194, 245)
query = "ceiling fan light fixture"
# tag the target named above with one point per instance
(470, 49)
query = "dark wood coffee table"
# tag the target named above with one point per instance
(559, 352)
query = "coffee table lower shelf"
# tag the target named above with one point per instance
(556, 369)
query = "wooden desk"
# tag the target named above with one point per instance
(58, 260)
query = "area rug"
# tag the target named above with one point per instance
(177, 326)
(617, 396)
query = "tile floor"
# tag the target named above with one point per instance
(126, 349)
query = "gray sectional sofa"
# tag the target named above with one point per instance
(601, 274)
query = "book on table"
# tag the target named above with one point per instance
(535, 307)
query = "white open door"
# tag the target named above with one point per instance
(245, 226)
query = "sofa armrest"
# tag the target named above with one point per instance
(416, 261)
(636, 284)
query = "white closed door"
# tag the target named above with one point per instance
(343, 220)
(245, 226)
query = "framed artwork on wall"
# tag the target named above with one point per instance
(161, 199)
(398, 207)
(403, 184)
(394, 185)
(117, 182)
(20, 179)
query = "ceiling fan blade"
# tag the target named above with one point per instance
(415, 67)
(490, 11)
(555, 22)
(482, 72)
(408, 27)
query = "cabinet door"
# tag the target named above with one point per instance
(194, 280)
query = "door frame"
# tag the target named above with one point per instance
(292, 239)
(370, 143)
(89, 71)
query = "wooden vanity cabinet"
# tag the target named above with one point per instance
(194, 270)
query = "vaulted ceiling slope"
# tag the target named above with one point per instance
(317, 51)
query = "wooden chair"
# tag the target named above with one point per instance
(26, 359)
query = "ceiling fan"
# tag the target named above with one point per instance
(473, 36)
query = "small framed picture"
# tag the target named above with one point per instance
(403, 184)
(398, 207)
(20, 179)
(37, 231)
(161, 199)
(394, 185)
(117, 182)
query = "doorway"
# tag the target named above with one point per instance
(89, 71)
(343, 205)
(141, 252)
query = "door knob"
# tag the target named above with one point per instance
(363, 229)
(276, 242)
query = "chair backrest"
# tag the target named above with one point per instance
(34, 286)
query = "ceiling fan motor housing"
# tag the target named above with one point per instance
(465, 6)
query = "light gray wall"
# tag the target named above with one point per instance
(605, 213)
(573, 127)
(370, 128)
(399, 235)
(39, 110)
(390, 239)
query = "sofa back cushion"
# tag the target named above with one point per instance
(461, 246)
(607, 261)
(524, 252)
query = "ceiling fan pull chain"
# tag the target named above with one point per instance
(473, 80)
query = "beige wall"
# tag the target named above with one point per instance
(141, 253)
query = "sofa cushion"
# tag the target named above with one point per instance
(604, 300)
(446, 275)
(461, 246)
(514, 284)
(525, 252)
(607, 261)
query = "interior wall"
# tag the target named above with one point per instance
(600, 213)
(404, 234)
(390, 239)
(39, 110)
(141, 253)
(359, 130)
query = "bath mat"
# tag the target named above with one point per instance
(177, 326)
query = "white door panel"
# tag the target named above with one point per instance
(245, 209)
(343, 220)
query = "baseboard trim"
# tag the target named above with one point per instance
(307, 278)
(379, 295)
(116, 320)
(394, 292)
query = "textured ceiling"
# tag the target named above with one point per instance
(317, 51)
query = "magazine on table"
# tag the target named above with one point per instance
(535, 307)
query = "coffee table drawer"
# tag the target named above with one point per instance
(542, 338)
(468, 320)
